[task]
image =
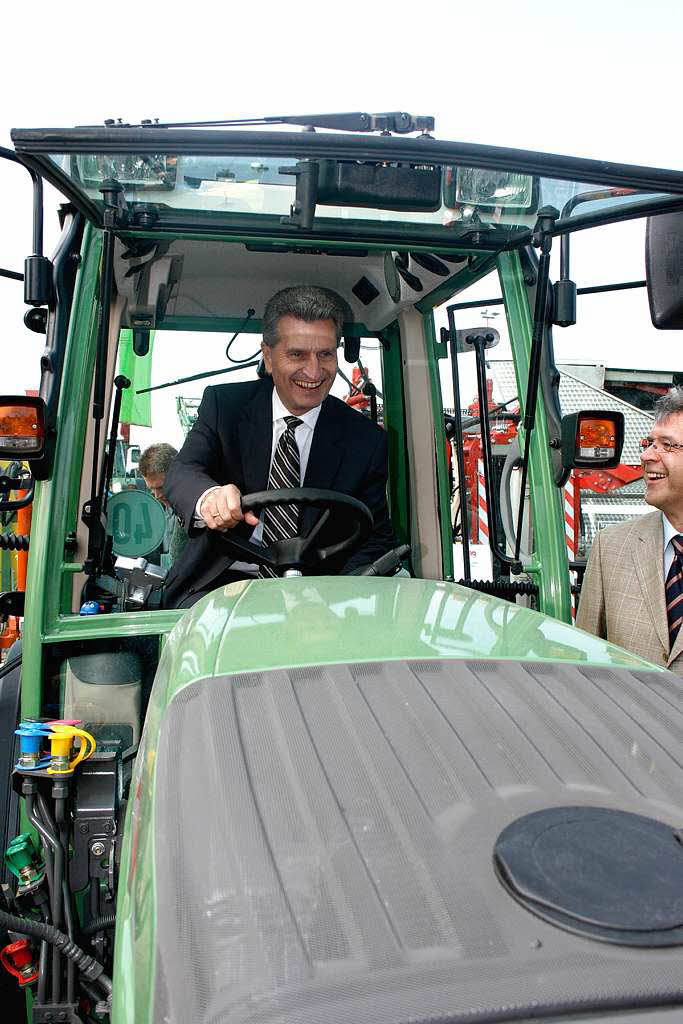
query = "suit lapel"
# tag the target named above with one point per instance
(255, 430)
(648, 553)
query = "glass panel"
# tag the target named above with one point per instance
(494, 203)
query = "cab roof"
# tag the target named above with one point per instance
(248, 182)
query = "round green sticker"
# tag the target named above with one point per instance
(137, 523)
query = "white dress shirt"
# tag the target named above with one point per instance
(669, 533)
(303, 436)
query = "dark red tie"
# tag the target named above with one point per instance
(673, 590)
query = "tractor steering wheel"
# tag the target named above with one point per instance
(297, 554)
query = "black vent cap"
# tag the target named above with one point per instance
(598, 872)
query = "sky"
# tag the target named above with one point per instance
(594, 80)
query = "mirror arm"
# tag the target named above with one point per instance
(37, 277)
(13, 275)
(542, 239)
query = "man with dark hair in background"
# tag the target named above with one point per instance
(245, 433)
(154, 465)
(633, 589)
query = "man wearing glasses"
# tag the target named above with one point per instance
(632, 593)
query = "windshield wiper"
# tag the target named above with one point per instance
(397, 121)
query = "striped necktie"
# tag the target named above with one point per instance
(673, 590)
(282, 521)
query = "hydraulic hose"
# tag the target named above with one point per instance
(48, 844)
(68, 918)
(87, 965)
(512, 461)
(42, 966)
(99, 924)
(56, 893)
(14, 542)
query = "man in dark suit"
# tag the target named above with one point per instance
(232, 447)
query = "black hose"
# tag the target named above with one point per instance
(99, 924)
(502, 587)
(70, 966)
(56, 895)
(42, 965)
(68, 915)
(47, 842)
(14, 542)
(86, 964)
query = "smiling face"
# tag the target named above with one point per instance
(303, 363)
(663, 471)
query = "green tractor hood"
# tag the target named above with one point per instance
(254, 626)
(312, 752)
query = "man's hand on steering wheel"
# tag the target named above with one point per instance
(302, 551)
(222, 509)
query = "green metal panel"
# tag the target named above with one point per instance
(440, 446)
(551, 566)
(135, 947)
(116, 624)
(255, 625)
(48, 590)
(74, 411)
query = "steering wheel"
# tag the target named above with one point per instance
(299, 553)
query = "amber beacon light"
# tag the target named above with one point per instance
(22, 427)
(592, 439)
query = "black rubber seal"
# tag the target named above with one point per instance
(595, 871)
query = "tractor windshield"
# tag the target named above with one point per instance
(259, 188)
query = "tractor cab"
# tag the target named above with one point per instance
(324, 793)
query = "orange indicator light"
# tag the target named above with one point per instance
(596, 437)
(21, 427)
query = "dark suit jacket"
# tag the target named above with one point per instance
(231, 442)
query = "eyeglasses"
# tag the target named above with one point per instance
(659, 446)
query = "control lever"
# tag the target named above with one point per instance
(386, 565)
(139, 578)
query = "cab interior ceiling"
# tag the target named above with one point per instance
(213, 279)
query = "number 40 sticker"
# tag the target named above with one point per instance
(137, 523)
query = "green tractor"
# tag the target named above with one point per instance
(401, 794)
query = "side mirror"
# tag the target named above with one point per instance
(664, 270)
(592, 439)
(22, 427)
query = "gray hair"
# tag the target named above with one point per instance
(156, 459)
(304, 302)
(669, 404)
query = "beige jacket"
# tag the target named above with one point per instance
(622, 598)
